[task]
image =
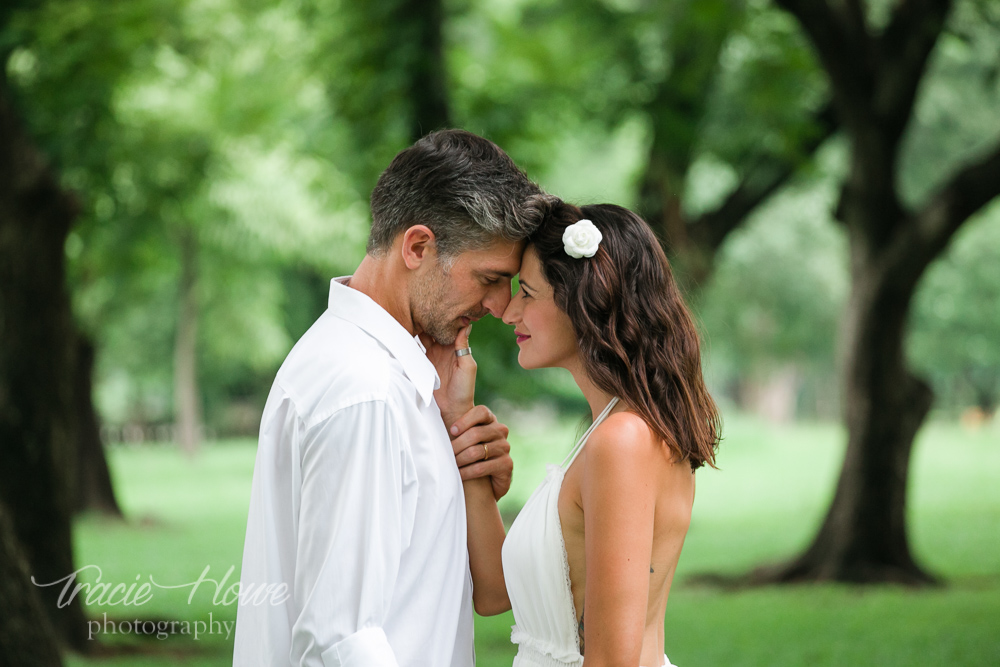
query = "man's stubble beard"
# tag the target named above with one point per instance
(430, 307)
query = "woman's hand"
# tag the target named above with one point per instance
(457, 392)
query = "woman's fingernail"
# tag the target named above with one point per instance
(454, 430)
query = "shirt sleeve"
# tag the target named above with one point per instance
(356, 515)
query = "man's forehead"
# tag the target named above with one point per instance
(501, 257)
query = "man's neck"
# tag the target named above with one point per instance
(377, 279)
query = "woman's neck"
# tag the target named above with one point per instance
(597, 398)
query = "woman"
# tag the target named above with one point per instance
(588, 563)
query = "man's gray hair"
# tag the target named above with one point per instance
(461, 186)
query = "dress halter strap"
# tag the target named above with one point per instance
(568, 461)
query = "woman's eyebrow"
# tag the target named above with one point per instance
(522, 283)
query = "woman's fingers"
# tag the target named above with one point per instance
(479, 414)
(462, 339)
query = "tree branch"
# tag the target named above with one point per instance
(843, 45)
(905, 47)
(714, 226)
(854, 14)
(968, 191)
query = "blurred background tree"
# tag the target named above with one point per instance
(878, 59)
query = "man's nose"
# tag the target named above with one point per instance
(497, 302)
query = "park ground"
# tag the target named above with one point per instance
(761, 506)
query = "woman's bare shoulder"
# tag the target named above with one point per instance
(625, 435)
(632, 442)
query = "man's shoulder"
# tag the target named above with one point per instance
(335, 364)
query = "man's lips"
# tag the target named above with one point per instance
(521, 337)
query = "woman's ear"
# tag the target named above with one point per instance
(418, 244)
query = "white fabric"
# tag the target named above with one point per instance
(536, 570)
(356, 506)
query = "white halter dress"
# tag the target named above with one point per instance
(536, 569)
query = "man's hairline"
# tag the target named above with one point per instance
(449, 258)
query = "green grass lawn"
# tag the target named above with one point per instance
(762, 506)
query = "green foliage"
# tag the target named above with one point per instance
(780, 284)
(956, 115)
(955, 323)
(173, 119)
(258, 127)
(766, 91)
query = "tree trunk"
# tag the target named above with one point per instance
(187, 401)
(26, 637)
(37, 349)
(864, 537)
(427, 74)
(94, 490)
(875, 77)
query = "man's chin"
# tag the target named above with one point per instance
(446, 342)
(444, 338)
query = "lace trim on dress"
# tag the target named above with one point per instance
(536, 650)
(565, 568)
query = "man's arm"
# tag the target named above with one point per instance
(358, 492)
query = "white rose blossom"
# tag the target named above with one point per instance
(581, 239)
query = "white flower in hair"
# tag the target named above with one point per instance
(581, 239)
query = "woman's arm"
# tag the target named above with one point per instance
(618, 494)
(477, 434)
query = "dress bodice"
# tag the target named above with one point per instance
(536, 570)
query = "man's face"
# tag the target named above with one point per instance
(477, 283)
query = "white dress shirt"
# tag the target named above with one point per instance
(356, 506)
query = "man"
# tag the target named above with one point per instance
(357, 504)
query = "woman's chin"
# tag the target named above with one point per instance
(527, 363)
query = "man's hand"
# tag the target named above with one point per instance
(481, 448)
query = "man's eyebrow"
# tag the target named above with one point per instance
(499, 274)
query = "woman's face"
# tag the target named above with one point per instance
(544, 332)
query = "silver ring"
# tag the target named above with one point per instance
(464, 351)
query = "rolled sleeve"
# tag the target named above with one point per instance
(355, 518)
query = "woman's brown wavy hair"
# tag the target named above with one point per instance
(636, 337)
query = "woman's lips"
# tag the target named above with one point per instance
(521, 337)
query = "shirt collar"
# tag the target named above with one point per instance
(358, 308)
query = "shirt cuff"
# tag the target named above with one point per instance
(368, 647)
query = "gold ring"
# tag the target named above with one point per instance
(486, 451)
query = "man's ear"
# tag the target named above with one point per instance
(419, 245)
